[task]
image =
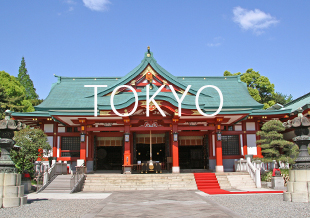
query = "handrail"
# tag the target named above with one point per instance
(246, 166)
(50, 174)
(77, 179)
(254, 172)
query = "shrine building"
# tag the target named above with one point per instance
(77, 128)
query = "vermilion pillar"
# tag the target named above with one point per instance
(55, 130)
(83, 145)
(127, 155)
(259, 149)
(175, 151)
(219, 156)
(244, 139)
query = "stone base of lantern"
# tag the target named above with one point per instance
(298, 188)
(11, 190)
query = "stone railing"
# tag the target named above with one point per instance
(57, 168)
(78, 179)
(253, 169)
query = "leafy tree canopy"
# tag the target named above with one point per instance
(13, 94)
(30, 140)
(24, 79)
(281, 98)
(274, 147)
(260, 88)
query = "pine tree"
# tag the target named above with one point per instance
(274, 147)
(3, 101)
(12, 95)
(24, 79)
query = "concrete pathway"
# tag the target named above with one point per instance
(165, 203)
(34, 196)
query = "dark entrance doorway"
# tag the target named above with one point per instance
(194, 152)
(109, 158)
(108, 153)
(191, 157)
(158, 152)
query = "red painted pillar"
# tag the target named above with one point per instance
(219, 156)
(259, 149)
(127, 154)
(244, 138)
(83, 144)
(55, 129)
(175, 151)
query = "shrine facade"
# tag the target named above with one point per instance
(158, 130)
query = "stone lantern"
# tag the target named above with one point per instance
(298, 188)
(11, 190)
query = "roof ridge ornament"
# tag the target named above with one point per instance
(148, 52)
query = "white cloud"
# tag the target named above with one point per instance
(213, 44)
(97, 5)
(256, 20)
(217, 41)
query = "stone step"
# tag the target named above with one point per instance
(96, 189)
(114, 182)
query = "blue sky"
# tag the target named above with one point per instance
(198, 38)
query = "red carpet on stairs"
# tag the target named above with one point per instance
(207, 182)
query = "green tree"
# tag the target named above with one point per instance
(3, 101)
(24, 79)
(274, 147)
(30, 140)
(281, 98)
(259, 87)
(15, 94)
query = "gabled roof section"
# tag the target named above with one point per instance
(303, 102)
(148, 61)
(68, 94)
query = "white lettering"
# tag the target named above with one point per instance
(95, 94)
(152, 100)
(221, 101)
(177, 98)
(136, 101)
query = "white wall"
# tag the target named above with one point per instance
(250, 126)
(238, 127)
(48, 127)
(61, 129)
(251, 143)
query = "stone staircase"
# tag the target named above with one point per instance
(235, 180)
(61, 184)
(223, 181)
(120, 182)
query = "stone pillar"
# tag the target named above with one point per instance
(175, 151)
(11, 190)
(298, 188)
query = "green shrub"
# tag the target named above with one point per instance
(266, 176)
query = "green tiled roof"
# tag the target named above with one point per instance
(69, 93)
(303, 102)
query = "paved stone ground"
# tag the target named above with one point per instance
(158, 204)
(262, 205)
